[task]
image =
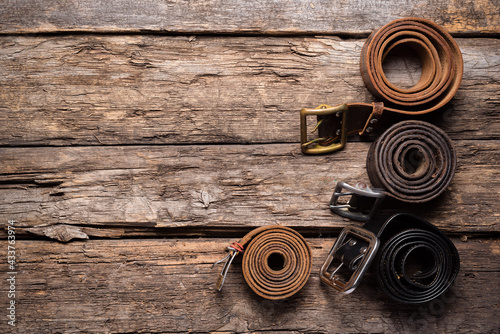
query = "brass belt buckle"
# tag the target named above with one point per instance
(350, 210)
(359, 265)
(322, 110)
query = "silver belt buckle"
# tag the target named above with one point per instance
(350, 234)
(350, 211)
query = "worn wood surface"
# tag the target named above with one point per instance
(165, 286)
(157, 132)
(221, 187)
(112, 90)
(226, 16)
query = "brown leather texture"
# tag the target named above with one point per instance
(413, 160)
(277, 261)
(442, 71)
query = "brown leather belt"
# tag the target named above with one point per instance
(442, 70)
(414, 161)
(276, 261)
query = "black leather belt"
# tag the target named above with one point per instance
(414, 262)
(413, 161)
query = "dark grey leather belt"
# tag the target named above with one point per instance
(413, 161)
(414, 262)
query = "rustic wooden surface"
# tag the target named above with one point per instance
(139, 138)
(165, 286)
(343, 17)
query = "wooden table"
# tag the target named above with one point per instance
(139, 138)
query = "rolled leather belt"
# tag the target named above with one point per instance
(442, 70)
(414, 261)
(414, 161)
(276, 263)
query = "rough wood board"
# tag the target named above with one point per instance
(162, 286)
(230, 186)
(111, 90)
(117, 87)
(239, 17)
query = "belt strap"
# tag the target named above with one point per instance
(414, 261)
(276, 263)
(413, 160)
(442, 70)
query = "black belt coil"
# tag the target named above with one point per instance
(413, 260)
(413, 160)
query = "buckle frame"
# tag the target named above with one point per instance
(322, 110)
(347, 210)
(366, 257)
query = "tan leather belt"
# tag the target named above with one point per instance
(276, 261)
(442, 70)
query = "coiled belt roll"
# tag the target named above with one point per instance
(413, 160)
(442, 71)
(395, 276)
(276, 263)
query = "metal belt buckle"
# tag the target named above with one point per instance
(353, 234)
(349, 210)
(322, 110)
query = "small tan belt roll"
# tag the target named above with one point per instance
(276, 263)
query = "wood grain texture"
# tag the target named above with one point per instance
(240, 17)
(113, 90)
(222, 187)
(164, 286)
(124, 120)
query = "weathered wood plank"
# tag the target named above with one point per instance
(162, 286)
(263, 17)
(227, 186)
(94, 90)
